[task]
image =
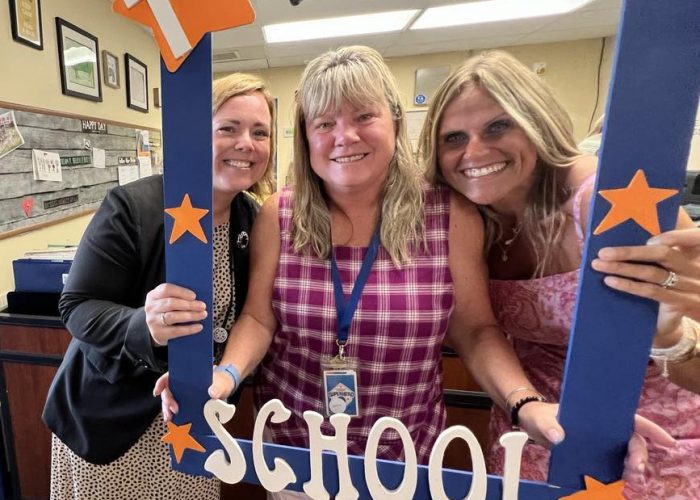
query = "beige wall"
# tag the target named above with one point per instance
(30, 77)
(572, 69)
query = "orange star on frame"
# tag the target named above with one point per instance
(187, 220)
(178, 436)
(179, 25)
(595, 490)
(637, 201)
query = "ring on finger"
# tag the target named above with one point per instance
(162, 319)
(670, 281)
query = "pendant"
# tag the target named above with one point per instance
(242, 240)
(220, 335)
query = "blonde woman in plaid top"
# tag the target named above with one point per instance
(353, 172)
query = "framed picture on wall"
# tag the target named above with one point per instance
(136, 83)
(79, 61)
(110, 68)
(26, 23)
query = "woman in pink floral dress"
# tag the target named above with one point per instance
(496, 134)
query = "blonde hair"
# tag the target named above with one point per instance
(597, 127)
(237, 84)
(532, 105)
(356, 75)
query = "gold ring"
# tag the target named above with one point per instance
(162, 319)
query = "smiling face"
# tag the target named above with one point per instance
(483, 153)
(350, 149)
(241, 143)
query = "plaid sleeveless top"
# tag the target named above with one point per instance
(396, 335)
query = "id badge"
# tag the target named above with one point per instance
(340, 387)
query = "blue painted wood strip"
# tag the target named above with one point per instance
(456, 482)
(650, 113)
(188, 169)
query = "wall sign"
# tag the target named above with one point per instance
(93, 126)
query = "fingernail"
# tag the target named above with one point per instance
(641, 467)
(595, 263)
(173, 409)
(653, 241)
(554, 436)
(606, 252)
(611, 281)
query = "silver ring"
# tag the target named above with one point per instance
(162, 319)
(670, 280)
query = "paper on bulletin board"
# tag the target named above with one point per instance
(414, 124)
(10, 136)
(145, 168)
(142, 142)
(98, 158)
(46, 166)
(127, 174)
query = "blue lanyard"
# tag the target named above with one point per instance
(347, 310)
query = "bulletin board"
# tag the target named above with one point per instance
(27, 202)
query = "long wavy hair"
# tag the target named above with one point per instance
(237, 84)
(356, 75)
(531, 104)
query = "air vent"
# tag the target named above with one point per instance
(231, 55)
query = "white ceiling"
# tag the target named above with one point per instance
(597, 19)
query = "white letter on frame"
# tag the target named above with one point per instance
(478, 486)
(218, 412)
(407, 488)
(339, 444)
(282, 475)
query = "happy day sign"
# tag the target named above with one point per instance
(649, 116)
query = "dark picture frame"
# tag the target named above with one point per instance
(110, 69)
(136, 78)
(78, 55)
(26, 23)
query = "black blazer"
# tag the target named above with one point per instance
(101, 399)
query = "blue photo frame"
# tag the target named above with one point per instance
(655, 58)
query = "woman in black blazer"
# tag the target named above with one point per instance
(105, 421)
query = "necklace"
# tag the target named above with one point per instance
(224, 283)
(507, 243)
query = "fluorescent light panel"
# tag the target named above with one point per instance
(493, 11)
(364, 24)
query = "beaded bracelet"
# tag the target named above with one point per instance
(515, 409)
(687, 347)
(232, 372)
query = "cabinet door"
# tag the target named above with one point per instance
(29, 359)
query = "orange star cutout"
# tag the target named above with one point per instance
(637, 202)
(195, 19)
(595, 490)
(187, 219)
(178, 436)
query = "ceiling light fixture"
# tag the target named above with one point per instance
(493, 11)
(364, 24)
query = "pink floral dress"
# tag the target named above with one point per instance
(536, 314)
